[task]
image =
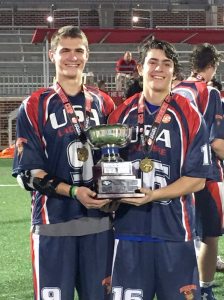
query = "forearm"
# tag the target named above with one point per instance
(83, 194)
(183, 186)
(61, 189)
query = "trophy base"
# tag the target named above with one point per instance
(119, 196)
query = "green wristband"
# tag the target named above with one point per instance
(73, 191)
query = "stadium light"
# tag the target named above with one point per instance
(50, 19)
(135, 19)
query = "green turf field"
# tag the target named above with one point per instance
(15, 267)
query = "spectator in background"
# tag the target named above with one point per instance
(177, 79)
(102, 85)
(71, 239)
(134, 85)
(125, 67)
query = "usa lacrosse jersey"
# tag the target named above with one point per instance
(180, 149)
(46, 140)
(209, 103)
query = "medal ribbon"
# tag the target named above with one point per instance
(71, 112)
(149, 140)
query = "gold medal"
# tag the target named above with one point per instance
(146, 165)
(83, 154)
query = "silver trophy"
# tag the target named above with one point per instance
(113, 177)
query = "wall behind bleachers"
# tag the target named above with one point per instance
(160, 17)
(90, 18)
(150, 17)
(38, 17)
(153, 12)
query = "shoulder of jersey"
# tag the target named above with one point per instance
(188, 109)
(179, 98)
(42, 91)
(130, 102)
(183, 103)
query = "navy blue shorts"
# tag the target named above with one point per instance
(209, 211)
(61, 264)
(144, 269)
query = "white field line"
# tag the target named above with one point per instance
(6, 185)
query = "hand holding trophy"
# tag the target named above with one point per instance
(114, 178)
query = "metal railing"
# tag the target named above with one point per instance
(23, 85)
(11, 125)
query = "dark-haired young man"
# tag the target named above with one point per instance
(154, 249)
(71, 239)
(209, 212)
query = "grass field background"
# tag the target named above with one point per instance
(15, 266)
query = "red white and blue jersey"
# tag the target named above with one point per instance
(181, 149)
(46, 140)
(208, 101)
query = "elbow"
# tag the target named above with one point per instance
(218, 148)
(199, 185)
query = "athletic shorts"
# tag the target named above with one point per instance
(221, 189)
(62, 264)
(209, 210)
(142, 270)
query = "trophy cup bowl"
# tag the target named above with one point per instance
(113, 177)
(118, 135)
